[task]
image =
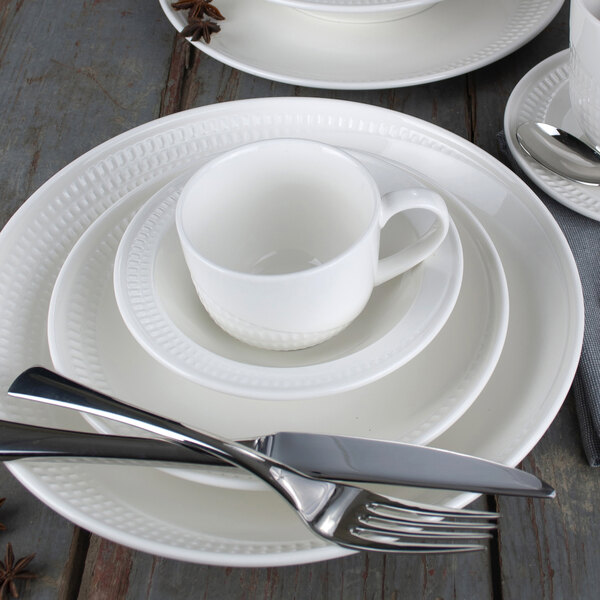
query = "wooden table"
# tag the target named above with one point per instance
(74, 74)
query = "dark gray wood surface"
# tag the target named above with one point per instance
(74, 74)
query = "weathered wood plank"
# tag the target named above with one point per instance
(32, 527)
(72, 74)
(114, 572)
(549, 549)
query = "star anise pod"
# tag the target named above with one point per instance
(200, 28)
(11, 570)
(199, 9)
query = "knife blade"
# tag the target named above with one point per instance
(341, 458)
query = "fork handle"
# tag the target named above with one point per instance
(42, 385)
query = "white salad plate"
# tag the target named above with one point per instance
(212, 525)
(158, 302)
(88, 341)
(448, 39)
(543, 95)
(359, 11)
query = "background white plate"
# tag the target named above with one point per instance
(159, 305)
(136, 506)
(453, 37)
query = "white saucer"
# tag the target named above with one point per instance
(448, 39)
(160, 307)
(211, 525)
(88, 340)
(543, 95)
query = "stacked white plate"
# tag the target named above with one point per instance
(351, 378)
(480, 378)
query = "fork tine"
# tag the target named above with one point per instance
(385, 521)
(394, 506)
(425, 529)
(416, 532)
(366, 540)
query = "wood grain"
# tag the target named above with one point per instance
(363, 575)
(32, 527)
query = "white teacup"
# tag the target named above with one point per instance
(281, 238)
(584, 79)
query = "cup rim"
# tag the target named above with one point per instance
(270, 277)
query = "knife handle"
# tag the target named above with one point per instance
(19, 440)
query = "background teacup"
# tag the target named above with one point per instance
(584, 79)
(281, 238)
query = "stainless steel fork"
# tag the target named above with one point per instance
(344, 514)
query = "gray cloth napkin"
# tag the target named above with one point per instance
(583, 235)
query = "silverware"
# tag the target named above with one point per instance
(561, 152)
(321, 456)
(343, 514)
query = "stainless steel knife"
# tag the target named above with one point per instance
(325, 456)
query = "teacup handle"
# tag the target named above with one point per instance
(405, 259)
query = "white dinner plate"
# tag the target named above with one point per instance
(158, 302)
(89, 342)
(150, 510)
(543, 95)
(448, 39)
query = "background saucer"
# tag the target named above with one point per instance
(543, 95)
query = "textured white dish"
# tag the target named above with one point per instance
(230, 527)
(88, 341)
(449, 39)
(543, 95)
(160, 307)
(359, 11)
(407, 405)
